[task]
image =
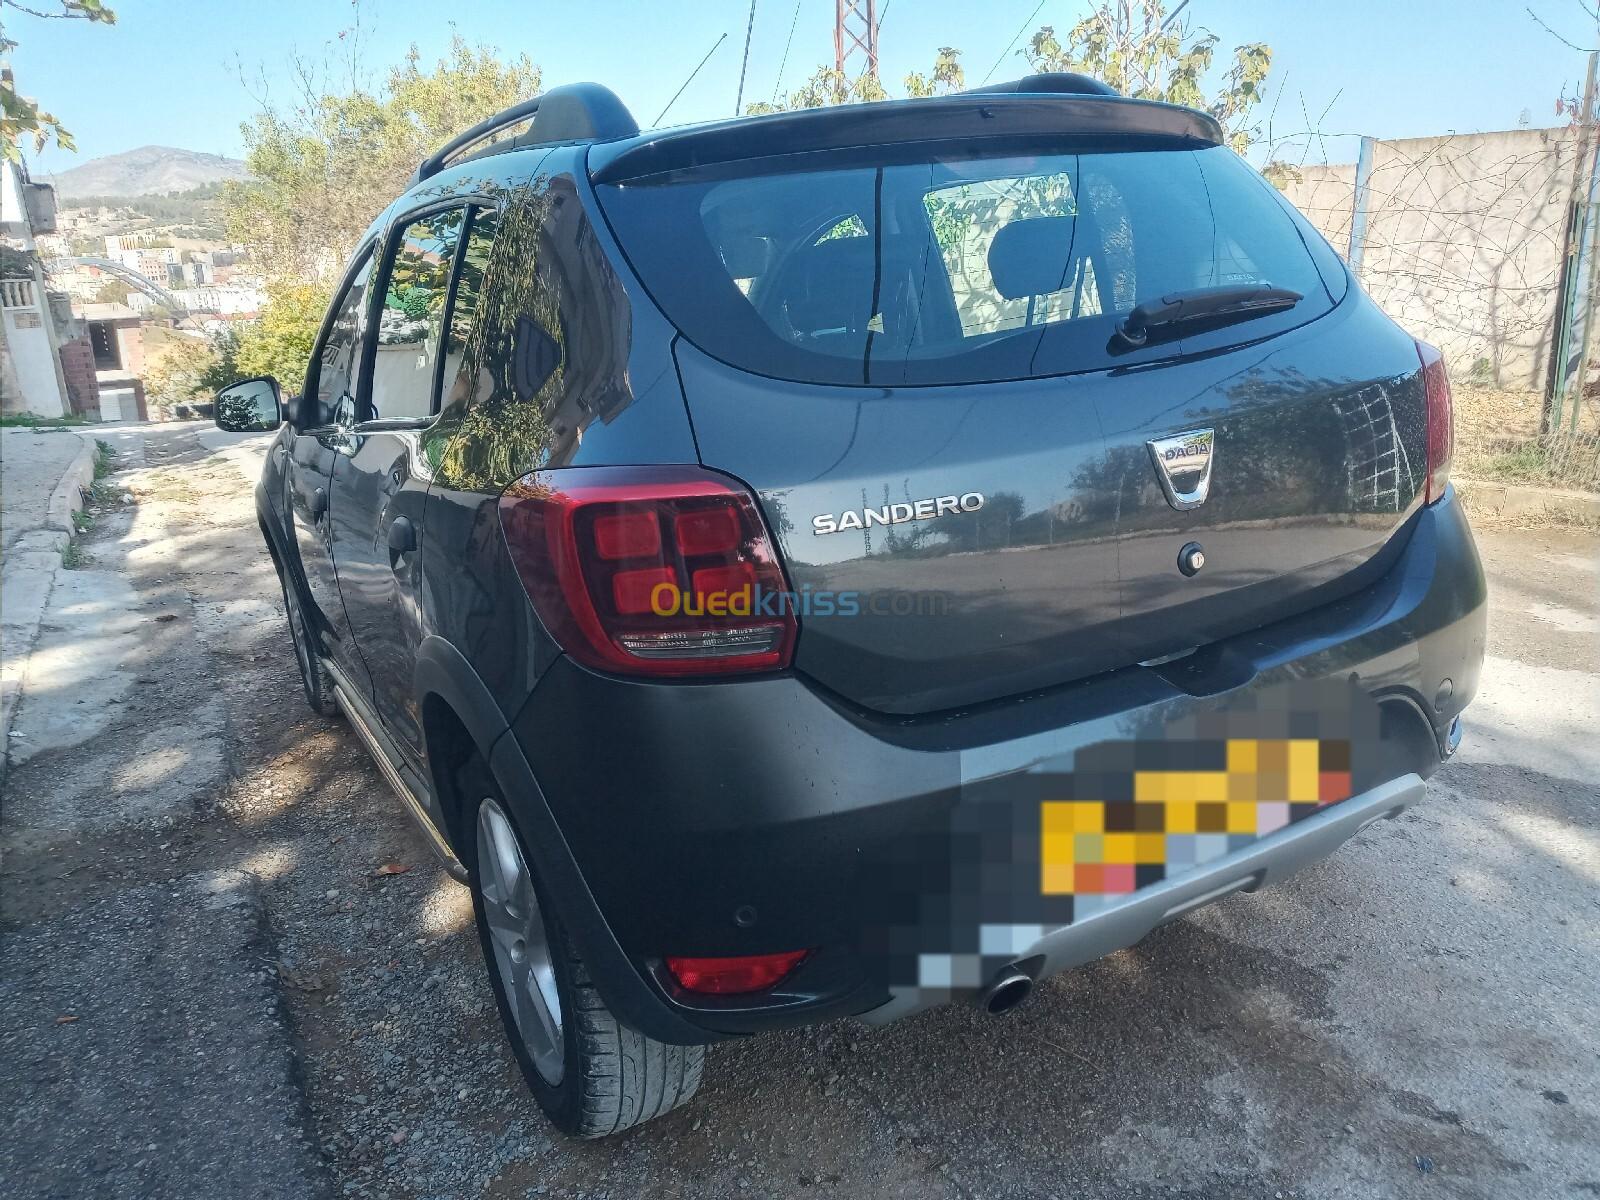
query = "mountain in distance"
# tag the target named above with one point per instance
(149, 170)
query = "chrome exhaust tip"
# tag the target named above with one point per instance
(1009, 990)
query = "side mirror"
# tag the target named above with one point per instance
(250, 406)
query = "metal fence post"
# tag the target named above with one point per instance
(1575, 307)
(1358, 212)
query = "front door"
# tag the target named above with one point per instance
(382, 481)
(322, 439)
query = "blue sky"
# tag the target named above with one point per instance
(170, 72)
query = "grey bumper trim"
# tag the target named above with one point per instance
(1272, 858)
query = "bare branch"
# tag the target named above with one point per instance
(1538, 20)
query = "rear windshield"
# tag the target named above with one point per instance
(956, 271)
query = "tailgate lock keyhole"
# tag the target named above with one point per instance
(1191, 558)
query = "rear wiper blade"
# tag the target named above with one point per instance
(1216, 305)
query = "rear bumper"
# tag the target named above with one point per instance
(753, 816)
(1268, 860)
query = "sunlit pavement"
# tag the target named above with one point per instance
(192, 874)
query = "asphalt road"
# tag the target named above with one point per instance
(192, 874)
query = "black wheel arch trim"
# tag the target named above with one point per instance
(442, 671)
(284, 553)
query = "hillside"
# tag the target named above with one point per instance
(145, 171)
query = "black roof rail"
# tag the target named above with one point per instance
(1066, 82)
(574, 112)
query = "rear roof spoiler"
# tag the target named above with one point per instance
(1017, 111)
(1061, 82)
(577, 112)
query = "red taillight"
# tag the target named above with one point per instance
(650, 570)
(1441, 419)
(729, 976)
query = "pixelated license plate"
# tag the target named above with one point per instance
(1138, 812)
(1075, 832)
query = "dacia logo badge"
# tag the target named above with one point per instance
(1183, 465)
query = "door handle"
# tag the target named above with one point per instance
(402, 539)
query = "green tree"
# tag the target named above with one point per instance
(825, 88)
(1129, 45)
(1281, 174)
(948, 76)
(1125, 43)
(113, 291)
(324, 168)
(829, 86)
(20, 116)
(194, 368)
(279, 342)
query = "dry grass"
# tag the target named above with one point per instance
(1498, 438)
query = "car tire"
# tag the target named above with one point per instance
(319, 688)
(592, 1075)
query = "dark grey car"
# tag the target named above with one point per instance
(831, 563)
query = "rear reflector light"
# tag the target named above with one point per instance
(730, 976)
(1441, 419)
(650, 570)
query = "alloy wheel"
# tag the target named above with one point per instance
(519, 941)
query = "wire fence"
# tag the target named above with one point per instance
(1469, 241)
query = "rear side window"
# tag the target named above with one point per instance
(955, 271)
(406, 361)
(469, 291)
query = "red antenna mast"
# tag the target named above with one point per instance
(855, 31)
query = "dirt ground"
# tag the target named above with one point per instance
(229, 876)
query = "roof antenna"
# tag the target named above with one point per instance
(690, 80)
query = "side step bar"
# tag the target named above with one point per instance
(409, 799)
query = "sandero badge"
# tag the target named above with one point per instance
(1183, 464)
(897, 514)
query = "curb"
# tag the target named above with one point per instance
(67, 498)
(1520, 502)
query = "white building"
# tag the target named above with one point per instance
(31, 378)
(228, 299)
(154, 263)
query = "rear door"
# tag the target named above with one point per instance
(1314, 436)
(321, 440)
(917, 366)
(381, 483)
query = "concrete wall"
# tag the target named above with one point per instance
(31, 377)
(1326, 195)
(32, 351)
(1465, 242)
(130, 346)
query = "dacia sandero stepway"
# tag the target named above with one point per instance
(837, 562)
